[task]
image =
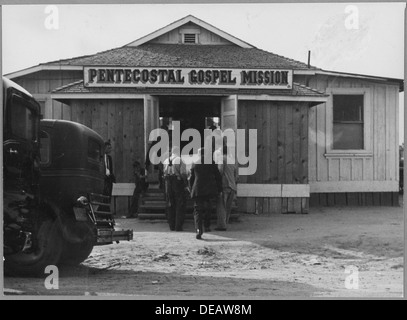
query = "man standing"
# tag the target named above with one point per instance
(109, 176)
(140, 187)
(175, 175)
(228, 171)
(205, 183)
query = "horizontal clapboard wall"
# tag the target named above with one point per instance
(372, 170)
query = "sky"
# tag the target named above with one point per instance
(364, 38)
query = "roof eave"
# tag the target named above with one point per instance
(42, 67)
(400, 82)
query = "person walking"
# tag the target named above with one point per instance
(205, 184)
(109, 176)
(175, 176)
(228, 170)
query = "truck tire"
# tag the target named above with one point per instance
(47, 251)
(75, 253)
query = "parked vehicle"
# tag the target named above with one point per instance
(53, 176)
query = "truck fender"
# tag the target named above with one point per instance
(65, 224)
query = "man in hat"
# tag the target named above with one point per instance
(109, 176)
(205, 184)
(175, 176)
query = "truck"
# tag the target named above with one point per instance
(53, 173)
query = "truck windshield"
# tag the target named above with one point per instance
(23, 119)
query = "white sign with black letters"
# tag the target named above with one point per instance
(188, 78)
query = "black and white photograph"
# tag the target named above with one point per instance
(222, 151)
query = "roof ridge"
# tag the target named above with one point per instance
(67, 85)
(227, 33)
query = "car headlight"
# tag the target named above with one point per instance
(82, 201)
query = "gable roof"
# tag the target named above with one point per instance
(186, 20)
(145, 54)
(178, 55)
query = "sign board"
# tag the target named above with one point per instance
(188, 78)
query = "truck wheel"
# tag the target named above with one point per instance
(47, 251)
(75, 253)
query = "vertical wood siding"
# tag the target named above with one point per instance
(282, 151)
(44, 82)
(121, 121)
(205, 37)
(282, 140)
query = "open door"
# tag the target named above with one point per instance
(151, 121)
(229, 119)
(229, 113)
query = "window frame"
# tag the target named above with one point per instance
(99, 160)
(48, 162)
(16, 99)
(367, 143)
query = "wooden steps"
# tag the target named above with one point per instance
(153, 205)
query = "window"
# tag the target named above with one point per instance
(45, 148)
(22, 119)
(348, 122)
(94, 150)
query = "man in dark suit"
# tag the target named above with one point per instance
(205, 183)
(109, 176)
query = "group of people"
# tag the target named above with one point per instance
(204, 183)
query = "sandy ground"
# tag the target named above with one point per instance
(262, 257)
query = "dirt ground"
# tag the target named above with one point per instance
(261, 256)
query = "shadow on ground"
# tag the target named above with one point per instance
(87, 281)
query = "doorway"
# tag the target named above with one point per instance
(197, 112)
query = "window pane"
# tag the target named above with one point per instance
(348, 136)
(94, 150)
(348, 108)
(42, 105)
(45, 147)
(22, 120)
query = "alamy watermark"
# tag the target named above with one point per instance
(52, 281)
(52, 19)
(214, 142)
(352, 280)
(352, 18)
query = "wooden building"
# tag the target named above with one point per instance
(323, 138)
